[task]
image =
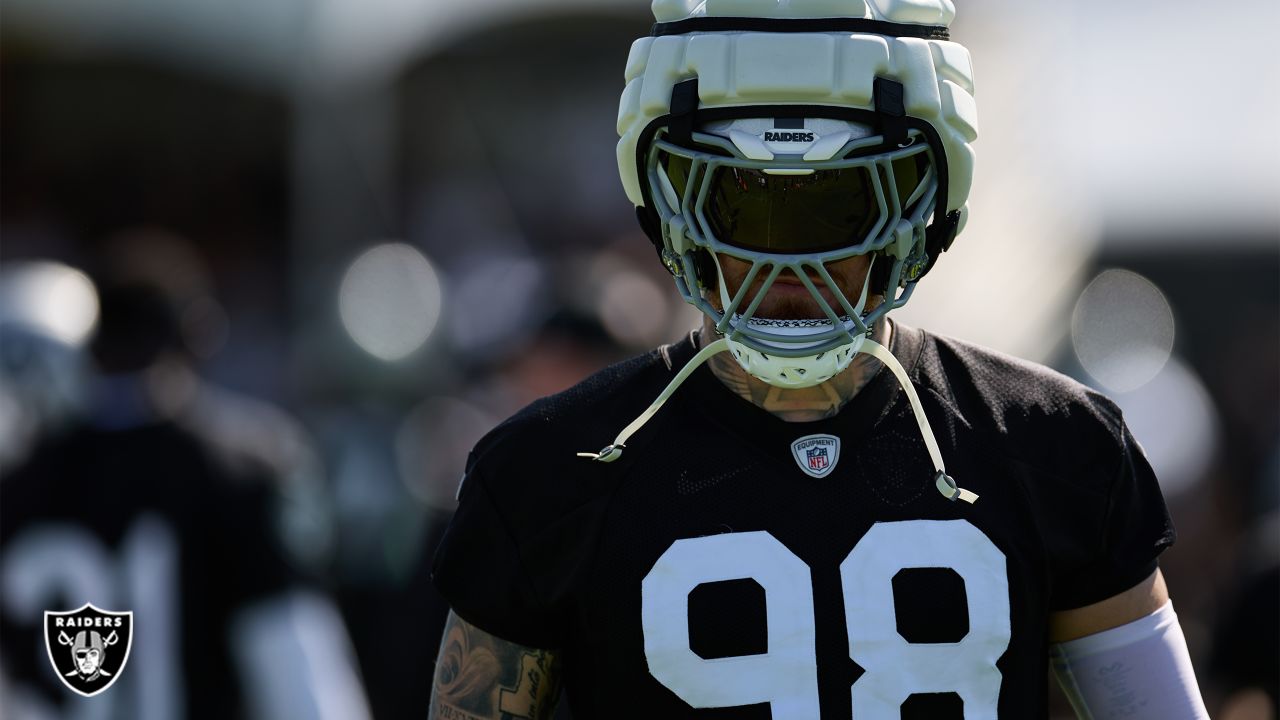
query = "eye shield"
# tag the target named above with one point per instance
(799, 210)
(790, 205)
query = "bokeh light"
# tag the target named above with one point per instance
(633, 309)
(424, 444)
(498, 300)
(1122, 330)
(49, 298)
(390, 300)
(1175, 420)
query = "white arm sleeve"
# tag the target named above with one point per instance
(1138, 671)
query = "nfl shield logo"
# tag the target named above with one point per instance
(816, 454)
(88, 647)
(817, 458)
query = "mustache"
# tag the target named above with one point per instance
(790, 304)
(799, 306)
(793, 308)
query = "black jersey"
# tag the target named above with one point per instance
(708, 573)
(155, 519)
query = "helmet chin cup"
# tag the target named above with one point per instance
(792, 373)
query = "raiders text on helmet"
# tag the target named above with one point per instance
(787, 137)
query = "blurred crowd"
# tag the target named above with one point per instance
(250, 329)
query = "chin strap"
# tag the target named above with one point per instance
(944, 482)
(613, 451)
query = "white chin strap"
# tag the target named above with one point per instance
(945, 484)
(795, 372)
(801, 372)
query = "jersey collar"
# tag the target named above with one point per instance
(768, 432)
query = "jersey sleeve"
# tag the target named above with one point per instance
(519, 559)
(1129, 527)
(480, 570)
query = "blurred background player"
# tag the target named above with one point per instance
(194, 507)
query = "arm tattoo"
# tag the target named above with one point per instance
(802, 405)
(482, 677)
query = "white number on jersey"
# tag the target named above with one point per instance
(896, 668)
(786, 675)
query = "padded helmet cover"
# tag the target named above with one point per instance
(836, 68)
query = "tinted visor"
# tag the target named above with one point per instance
(821, 211)
(677, 168)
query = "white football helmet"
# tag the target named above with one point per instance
(790, 135)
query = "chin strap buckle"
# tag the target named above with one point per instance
(951, 491)
(608, 454)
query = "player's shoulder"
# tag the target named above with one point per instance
(547, 434)
(69, 462)
(1023, 403)
(248, 440)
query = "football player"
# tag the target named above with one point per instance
(178, 501)
(805, 509)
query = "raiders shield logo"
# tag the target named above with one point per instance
(88, 647)
(816, 454)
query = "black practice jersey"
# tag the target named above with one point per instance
(706, 573)
(156, 520)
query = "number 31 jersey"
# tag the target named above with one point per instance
(734, 565)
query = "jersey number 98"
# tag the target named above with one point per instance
(786, 676)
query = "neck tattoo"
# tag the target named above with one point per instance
(799, 405)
